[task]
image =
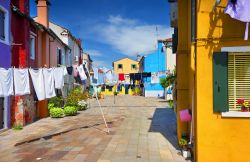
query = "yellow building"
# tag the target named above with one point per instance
(126, 66)
(213, 63)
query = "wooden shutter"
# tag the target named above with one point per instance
(238, 79)
(220, 82)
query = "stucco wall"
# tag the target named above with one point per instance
(126, 62)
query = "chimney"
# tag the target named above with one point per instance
(43, 12)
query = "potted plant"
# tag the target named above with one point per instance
(184, 146)
(243, 105)
(82, 105)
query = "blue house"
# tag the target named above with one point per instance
(154, 62)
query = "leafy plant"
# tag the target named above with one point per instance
(171, 103)
(74, 97)
(183, 142)
(51, 105)
(56, 101)
(56, 112)
(17, 126)
(170, 79)
(70, 111)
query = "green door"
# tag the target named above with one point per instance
(126, 89)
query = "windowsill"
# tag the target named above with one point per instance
(236, 114)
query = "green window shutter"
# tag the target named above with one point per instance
(220, 82)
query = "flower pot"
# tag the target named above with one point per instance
(186, 153)
(244, 109)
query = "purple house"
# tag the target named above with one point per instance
(5, 60)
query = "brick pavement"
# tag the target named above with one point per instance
(141, 130)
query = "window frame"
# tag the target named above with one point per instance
(33, 51)
(235, 114)
(120, 67)
(135, 66)
(6, 26)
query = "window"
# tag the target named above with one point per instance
(2, 25)
(32, 47)
(133, 66)
(120, 66)
(238, 79)
(231, 80)
(59, 56)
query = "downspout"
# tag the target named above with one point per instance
(194, 97)
(49, 50)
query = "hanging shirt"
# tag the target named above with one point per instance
(21, 82)
(38, 83)
(155, 78)
(58, 74)
(81, 72)
(95, 73)
(121, 77)
(109, 77)
(49, 82)
(240, 11)
(76, 73)
(65, 72)
(6, 82)
(70, 70)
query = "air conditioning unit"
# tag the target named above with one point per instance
(76, 58)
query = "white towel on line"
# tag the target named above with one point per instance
(58, 74)
(38, 83)
(49, 82)
(21, 82)
(6, 82)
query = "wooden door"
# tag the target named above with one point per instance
(1, 112)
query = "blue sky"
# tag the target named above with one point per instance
(112, 29)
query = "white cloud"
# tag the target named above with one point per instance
(101, 63)
(93, 52)
(131, 37)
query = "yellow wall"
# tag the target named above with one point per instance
(126, 62)
(217, 139)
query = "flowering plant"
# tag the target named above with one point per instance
(243, 104)
(82, 105)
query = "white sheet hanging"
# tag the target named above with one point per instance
(38, 83)
(82, 72)
(155, 78)
(6, 82)
(21, 82)
(49, 83)
(95, 73)
(58, 74)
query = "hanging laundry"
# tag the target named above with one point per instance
(109, 77)
(21, 82)
(6, 82)
(138, 76)
(95, 73)
(162, 73)
(240, 10)
(81, 72)
(155, 78)
(76, 73)
(65, 72)
(58, 74)
(49, 82)
(38, 83)
(70, 70)
(121, 77)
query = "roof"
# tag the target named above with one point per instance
(38, 25)
(124, 58)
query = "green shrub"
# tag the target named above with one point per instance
(51, 105)
(56, 101)
(74, 97)
(56, 112)
(171, 103)
(70, 111)
(17, 126)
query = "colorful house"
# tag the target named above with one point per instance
(212, 74)
(153, 63)
(5, 52)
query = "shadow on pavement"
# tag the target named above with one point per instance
(164, 122)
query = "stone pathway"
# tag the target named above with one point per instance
(142, 129)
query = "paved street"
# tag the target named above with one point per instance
(142, 129)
